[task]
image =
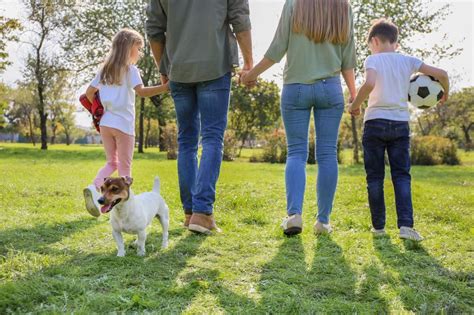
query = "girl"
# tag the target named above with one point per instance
(117, 81)
(318, 39)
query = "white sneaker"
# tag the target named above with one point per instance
(378, 232)
(91, 195)
(292, 225)
(410, 234)
(321, 228)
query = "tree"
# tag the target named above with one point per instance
(66, 120)
(45, 18)
(253, 110)
(413, 19)
(7, 34)
(22, 111)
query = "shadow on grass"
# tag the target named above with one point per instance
(74, 154)
(105, 283)
(288, 286)
(424, 284)
(37, 238)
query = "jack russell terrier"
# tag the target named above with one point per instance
(132, 214)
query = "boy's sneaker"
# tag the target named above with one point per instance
(292, 225)
(321, 228)
(378, 232)
(410, 234)
(91, 195)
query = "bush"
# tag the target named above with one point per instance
(230, 146)
(431, 150)
(275, 149)
(170, 134)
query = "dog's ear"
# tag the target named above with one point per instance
(127, 180)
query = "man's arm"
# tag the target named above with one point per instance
(156, 30)
(157, 50)
(245, 43)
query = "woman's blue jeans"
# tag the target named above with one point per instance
(325, 99)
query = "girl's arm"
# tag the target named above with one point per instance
(440, 75)
(148, 91)
(250, 77)
(90, 92)
(364, 91)
(349, 78)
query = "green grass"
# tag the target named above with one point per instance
(55, 258)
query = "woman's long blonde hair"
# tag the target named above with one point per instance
(322, 20)
(117, 62)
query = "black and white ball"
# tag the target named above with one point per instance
(425, 91)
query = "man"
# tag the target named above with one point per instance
(196, 44)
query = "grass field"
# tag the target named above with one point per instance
(56, 258)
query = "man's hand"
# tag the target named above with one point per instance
(164, 79)
(246, 76)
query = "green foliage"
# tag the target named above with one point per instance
(230, 146)
(254, 110)
(275, 149)
(8, 28)
(431, 150)
(56, 258)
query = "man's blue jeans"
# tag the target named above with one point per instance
(393, 136)
(326, 100)
(201, 109)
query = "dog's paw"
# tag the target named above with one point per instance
(121, 254)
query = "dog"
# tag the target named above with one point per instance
(132, 214)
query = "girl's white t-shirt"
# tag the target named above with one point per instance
(389, 98)
(119, 101)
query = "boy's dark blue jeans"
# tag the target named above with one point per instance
(394, 137)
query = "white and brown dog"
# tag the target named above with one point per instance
(132, 214)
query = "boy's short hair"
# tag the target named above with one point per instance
(383, 29)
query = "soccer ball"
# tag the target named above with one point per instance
(425, 91)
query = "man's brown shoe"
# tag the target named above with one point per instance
(187, 218)
(204, 224)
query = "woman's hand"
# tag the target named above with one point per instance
(354, 110)
(248, 78)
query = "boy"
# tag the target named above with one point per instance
(386, 123)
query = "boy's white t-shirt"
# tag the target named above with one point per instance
(389, 98)
(119, 101)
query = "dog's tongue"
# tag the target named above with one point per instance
(105, 209)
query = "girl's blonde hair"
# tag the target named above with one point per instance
(322, 20)
(117, 62)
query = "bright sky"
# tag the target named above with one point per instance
(265, 15)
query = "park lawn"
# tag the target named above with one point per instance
(54, 257)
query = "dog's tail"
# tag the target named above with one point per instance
(156, 185)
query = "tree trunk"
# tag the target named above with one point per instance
(467, 137)
(140, 125)
(355, 139)
(68, 139)
(161, 138)
(32, 135)
(147, 133)
(53, 131)
(244, 138)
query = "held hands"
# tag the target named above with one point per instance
(353, 108)
(247, 76)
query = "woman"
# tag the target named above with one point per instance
(317, 38)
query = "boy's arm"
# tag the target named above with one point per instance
(440, 75)
(90, 92)
(364, 91)
(148, 91)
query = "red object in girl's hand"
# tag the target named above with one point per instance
(95, 108)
